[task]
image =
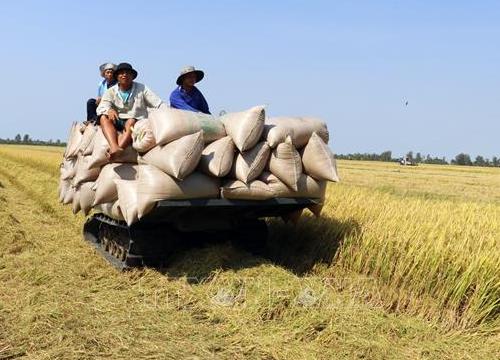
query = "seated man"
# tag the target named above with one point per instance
(187, 96)
(122, 105)
(107, 71)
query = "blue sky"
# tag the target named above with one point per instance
(352, 63)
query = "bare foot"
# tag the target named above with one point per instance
(113, 153)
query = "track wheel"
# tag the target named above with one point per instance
(105, 243)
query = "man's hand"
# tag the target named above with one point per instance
(98, 100)
(112, 114)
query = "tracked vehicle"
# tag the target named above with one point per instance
(174, 223)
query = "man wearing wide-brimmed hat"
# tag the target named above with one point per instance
(187, 96)
(122, 105)
(107, 70)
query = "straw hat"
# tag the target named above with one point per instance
(190, 69)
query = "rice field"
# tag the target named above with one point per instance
(403, 263)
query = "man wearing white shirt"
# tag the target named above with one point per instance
(122, 105)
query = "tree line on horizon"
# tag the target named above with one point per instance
(27, 140)
(460, 159)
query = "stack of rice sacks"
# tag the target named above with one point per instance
(179, 154)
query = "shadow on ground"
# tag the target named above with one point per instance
(312, 241)
(297, 248)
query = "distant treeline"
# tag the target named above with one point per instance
(460, 159)
(27, 140)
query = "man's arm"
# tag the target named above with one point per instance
(204, 104)
(105, 104)
(177, 102)
(152, 100)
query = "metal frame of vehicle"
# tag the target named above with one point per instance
(151, 241)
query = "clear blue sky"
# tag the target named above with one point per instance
(352, 63)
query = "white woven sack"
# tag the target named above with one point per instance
(143, 138)
(307, 187)
(178, 158)
(255, 190)
(84, 172)
(127, 199)
(300, 129)
(155, 185)
(105, 187)
(318, 160)
(87, 142)
(286, 164)
(87, 196)
(99, 154)
(110, 209)
(217, 157)
(245, 127)
(170, 124)
(250, 164)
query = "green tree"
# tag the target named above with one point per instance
(386, 156)
(17, 139)
(26, 138)
(418, 157)
(463, 159)
(479, 161)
